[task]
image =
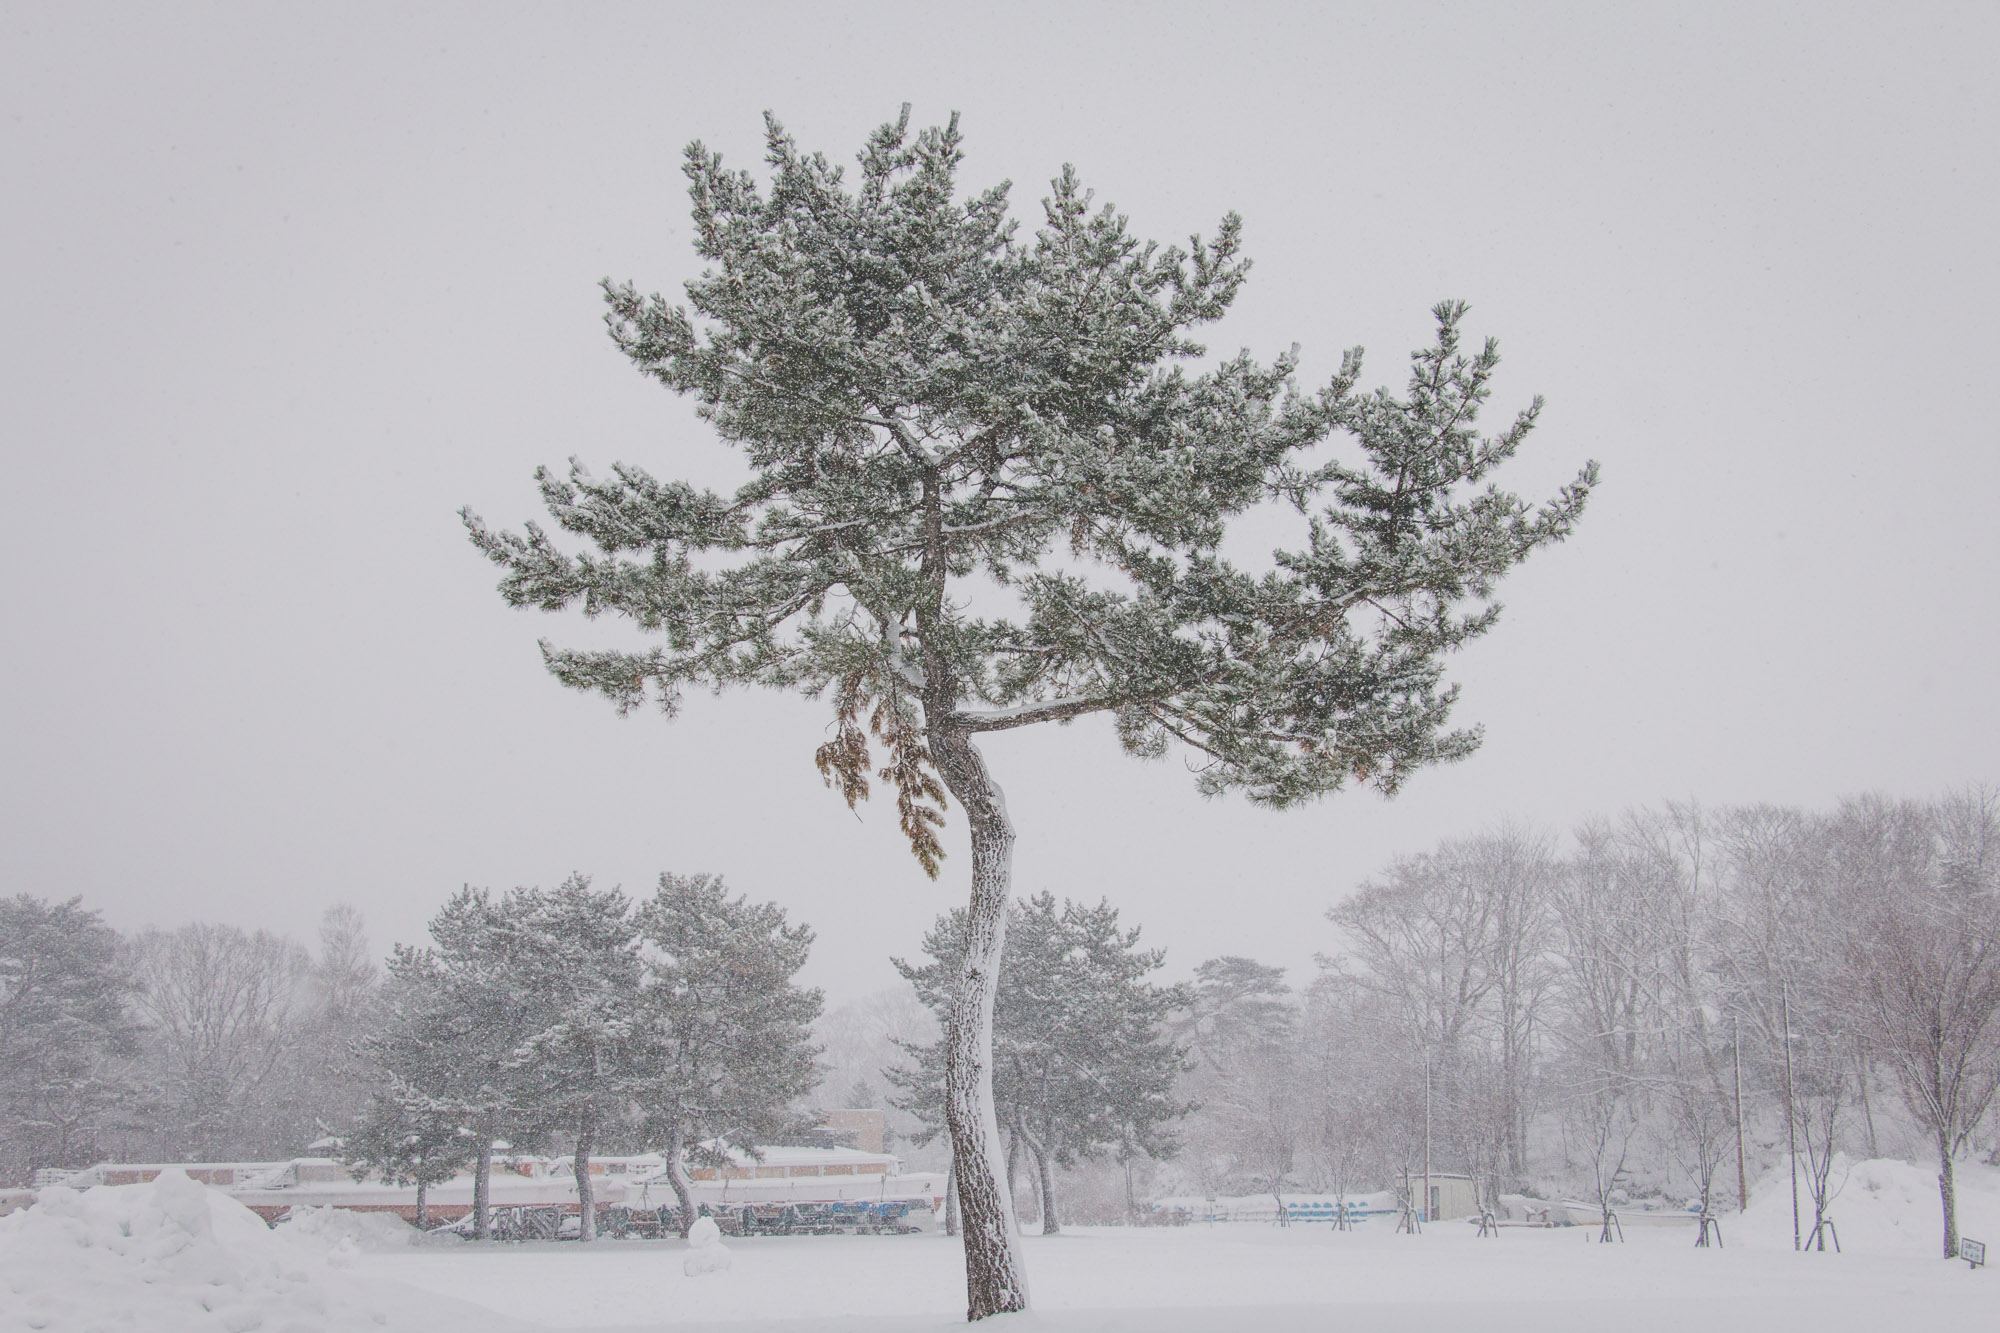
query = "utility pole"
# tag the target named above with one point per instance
(1426, 1206)
(1791, 1119)
(1742, 1180)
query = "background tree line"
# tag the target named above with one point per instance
(202, 1043)
(1579, 1011)
(569, 1017)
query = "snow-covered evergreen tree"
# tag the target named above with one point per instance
(408, 1138)
(722, 1040)
(1249, 1075)
(578, 976)
(65, 1032)
(926, 399)
(457, 1020)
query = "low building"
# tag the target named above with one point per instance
(797, 1164)
(1452, 1196)
(753, 1193)
(223, 1175)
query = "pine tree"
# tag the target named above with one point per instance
(1241, 1029)
(579, 978)
(407, 1138)
(722, 1033)
(65, 1031)
(456, 1021)
(925, 399)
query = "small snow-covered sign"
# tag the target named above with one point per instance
(1973, 1252)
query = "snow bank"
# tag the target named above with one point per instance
(342, 1231)
(173, 1255)
(1879, 1206)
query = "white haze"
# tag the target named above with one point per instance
(286, 288)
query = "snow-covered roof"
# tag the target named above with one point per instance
(805, 1156)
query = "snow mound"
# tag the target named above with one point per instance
(344, 1231)
(173, 1255)
(1878, 1206)
(706, 1253)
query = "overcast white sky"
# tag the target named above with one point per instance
(282, 290)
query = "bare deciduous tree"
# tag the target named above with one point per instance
(224, 1009)
(1925, 954)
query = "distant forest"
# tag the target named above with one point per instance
(1580, 1015)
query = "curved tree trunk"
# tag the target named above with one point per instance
(995, 1278)
(586, 1193)
(951, 1199)
(677, 1177)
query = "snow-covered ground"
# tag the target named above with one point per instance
(1178, 1280)
(173, 1256)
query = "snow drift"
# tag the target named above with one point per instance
(341, 1231)
(174, 1255)
(1878, 1206)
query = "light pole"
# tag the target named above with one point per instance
(1742, 1179)
(1427, 1139)
(1791, 1117)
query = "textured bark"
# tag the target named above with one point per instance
(677, 1177)
(482, 1193)
(423, 1213)
(951, 1200)
(586, 1193)
(995, 1278)
(1948, 1196)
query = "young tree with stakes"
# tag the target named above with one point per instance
(925, 399)
(1925, 946)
